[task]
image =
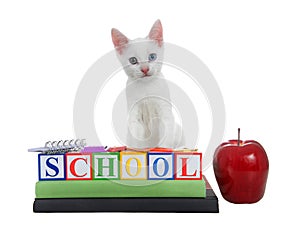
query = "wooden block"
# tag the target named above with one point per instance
(133, 166)
(188, 166)
(160, 166)
(51, 167)
(78, 166)
(106, 166)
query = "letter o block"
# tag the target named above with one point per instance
(160, 166)
(133, 166)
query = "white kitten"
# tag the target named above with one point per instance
(150, 119)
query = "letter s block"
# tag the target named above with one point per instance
(188, 166)
(79, 166)
(51, 167)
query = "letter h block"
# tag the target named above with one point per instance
(106, 166)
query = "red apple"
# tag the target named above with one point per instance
(241, 169)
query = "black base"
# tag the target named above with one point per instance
(195, 205)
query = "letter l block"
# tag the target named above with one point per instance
(188, 166)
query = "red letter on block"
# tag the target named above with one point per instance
(184, 168)
(188, 166)
(72, 167)
(78, 166)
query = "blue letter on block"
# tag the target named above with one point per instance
(160, 166)
(166, 164)
(52, 167)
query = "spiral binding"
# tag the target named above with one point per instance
(61, 147)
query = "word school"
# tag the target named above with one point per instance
(121, 165)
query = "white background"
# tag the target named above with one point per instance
(251, 47)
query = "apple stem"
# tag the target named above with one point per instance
(239, 131)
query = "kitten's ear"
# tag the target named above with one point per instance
(156, 32)
(119, 40)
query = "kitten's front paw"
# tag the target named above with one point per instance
(139, 131)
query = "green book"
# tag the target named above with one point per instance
(120, 189)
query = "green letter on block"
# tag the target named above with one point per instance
(106, 166)
(110, 166)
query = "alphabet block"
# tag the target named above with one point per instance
(51, 167)
(133, 166)
(106, 166)
(160, 166)
(188, 166)
(79, 166)
(121, 165)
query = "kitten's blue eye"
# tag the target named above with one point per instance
(152, 57)
(133, 60)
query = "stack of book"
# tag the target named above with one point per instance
(99, 179)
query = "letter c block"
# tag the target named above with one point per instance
(79, 166)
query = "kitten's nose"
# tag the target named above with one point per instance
(145, 70)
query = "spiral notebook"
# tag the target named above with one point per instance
(61, 147)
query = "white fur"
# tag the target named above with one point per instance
(150, 119)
